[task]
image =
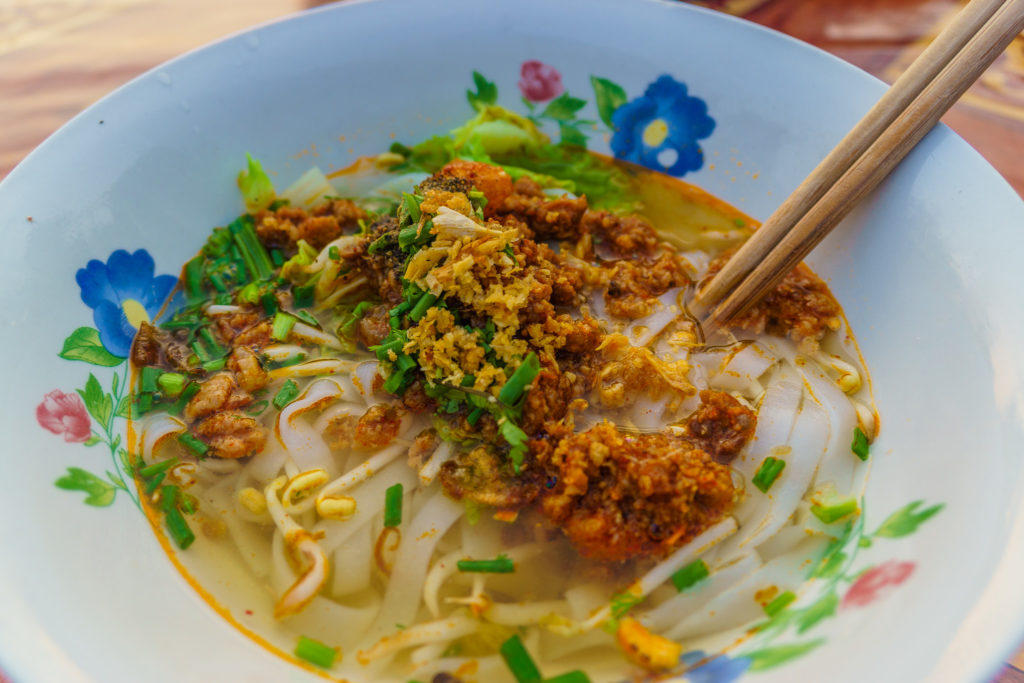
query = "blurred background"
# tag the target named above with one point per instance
(59, 56)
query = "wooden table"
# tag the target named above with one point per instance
(59, 56)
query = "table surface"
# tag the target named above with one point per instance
(59, 56)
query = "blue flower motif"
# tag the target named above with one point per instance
(123, 293)
(660, 130)
(719, 669)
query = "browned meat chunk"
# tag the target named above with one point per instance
(415, 399)
(549, 398)
(800, 307)
(721, 425)
(386, 265)
(633, 287)
(378, 426)
(146, 347)
(230, 325)
(231, 435)
(493, 181)
(340, 432)
(486, 478)
(625, 236)
(220, 392)
(619, 496)
(548, 219)
(284, 227)
(257, 336)
(550, 268)
(249, 374)
(373, 327)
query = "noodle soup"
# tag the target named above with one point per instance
(446, 416)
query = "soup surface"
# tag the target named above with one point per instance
(446, 414)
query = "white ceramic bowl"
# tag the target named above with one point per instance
(928, 270)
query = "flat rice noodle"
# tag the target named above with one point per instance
(642, 331)
(739, 371)
(419, 538)
(775, 419)
(340, 624)
(766, 513)
(251, 540)
(677, 608)
(369, 497)
(337, 410)
(353, 563)
(524, 613)
(432, 467)
(555, 647)
(585, 598)
(442, 570)
(155, 430)
(266, 464)
(737, 605)
(304, 445)
(362, 379)
(661, 572)
(485, 669)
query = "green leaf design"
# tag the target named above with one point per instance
(829, 566)
(101, 494)
(92, 441)
(124, 407)
(116, 480)
(84, 344)
(99, 403)
(905, 521)
(571, 135)
(563, 107)
(608, 97)
(486, 92)
(771, 657)
(822, 609)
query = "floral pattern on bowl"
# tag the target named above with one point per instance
(124, 291)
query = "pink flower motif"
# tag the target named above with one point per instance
(64, 414)
(877, 582)
(539, 82)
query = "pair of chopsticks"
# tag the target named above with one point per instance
(868, 153)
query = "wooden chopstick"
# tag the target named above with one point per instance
(864, 157)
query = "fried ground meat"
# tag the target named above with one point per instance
(146, 347)
(550, 268)
(493, 181)
(624, 236)
(220, 392)
(257, 336)
(721, 426)
(230, 325)
(340, 431)
(800, 307)
(231, 435)
(633, 287)
(549, 398)
(487, 478)
(546, 218)
(249, 374)
(285, 226)
(619, 496)
(374, 326)
(415, 399)
(153, 346)
(378, 426)
(386, 265)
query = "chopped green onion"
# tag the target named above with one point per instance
(393, 384)
(171, 383)
(257, 408)
(315, 652)
(147, 381)
(412, 206)
(422, 306)
(218, 283)
(158, 467)
(194, 279)
(216, 350)
(302, 297)
(520, 379)
(519, 661)
(396, 311)
(517, 439)
(176, 524)
(214, 365)
(269, 302)
(834, 509)
(468, 381)
(405, 362)
(286, 394)
(503, 564)
(780, 603)
(191, 390)
(142, 405)
(475, 416)
(277, 257)
(571, 677)
(393, 505)
(193, 444)
(253, 253)
(407, 236)
(333, 253)
(154, 483)
(200, 350)
(739, 222)
(283, 324)
(767, 473)
(690, 575)
(860, 445)
(307, 318)
(623, 602)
